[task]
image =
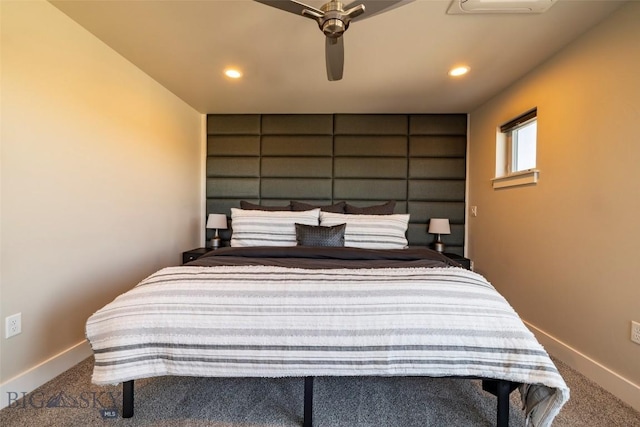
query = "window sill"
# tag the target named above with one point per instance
(516, 179)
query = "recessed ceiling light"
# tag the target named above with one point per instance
(232, 73)
(459, 71)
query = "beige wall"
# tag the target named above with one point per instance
(566, 251)
(101, 179)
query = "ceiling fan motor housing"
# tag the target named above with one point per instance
(332, 24)
(333, 27)
(335, 20)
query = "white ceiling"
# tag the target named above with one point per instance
(396, 62)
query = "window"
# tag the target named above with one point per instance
(523, 147)
(516, 151)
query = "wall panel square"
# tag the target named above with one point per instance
(233, 167)
(297, 167)
(233, 124)
(359, 167)
(371, 145)
(438, 124)
(373, 189)
(297, 145)
(233, 145)
(371, 124)
(437, 168)
(436, 190)
(294, 189)
(297, 124)
(230, 188)
(438, 145)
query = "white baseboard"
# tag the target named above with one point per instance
(614, 383)
(34, 377)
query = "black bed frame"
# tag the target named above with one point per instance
(499, 388)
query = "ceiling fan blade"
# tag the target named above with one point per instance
(295, 7)
(375, 7)
(334, 55)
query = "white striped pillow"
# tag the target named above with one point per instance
(268, 228)
(370, 231)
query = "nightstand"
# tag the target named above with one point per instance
(194, 254)
(465, 262)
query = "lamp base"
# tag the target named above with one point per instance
(438, 246)
(216, 243)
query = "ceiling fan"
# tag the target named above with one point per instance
(334, 18)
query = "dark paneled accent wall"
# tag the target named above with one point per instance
(418, 160)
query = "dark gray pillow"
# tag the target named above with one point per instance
(383, 209)
(335, 208)
(317, 235)
(253, 207)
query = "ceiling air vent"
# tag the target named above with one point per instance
(459, 7)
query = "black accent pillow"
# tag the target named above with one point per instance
(253, 207)
(383, 209)
(317, 235)
(335, 208)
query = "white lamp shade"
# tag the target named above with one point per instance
(218, 221)
(439, 226)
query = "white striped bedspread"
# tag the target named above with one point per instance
(267, 321)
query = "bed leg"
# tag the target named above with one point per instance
(127, 399)
(503, 391)
(308, 402)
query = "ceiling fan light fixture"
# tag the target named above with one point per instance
(459, 71)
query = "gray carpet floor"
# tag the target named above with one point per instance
(71, 400)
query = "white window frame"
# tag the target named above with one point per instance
(506, 153)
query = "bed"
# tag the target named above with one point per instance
(286, 310)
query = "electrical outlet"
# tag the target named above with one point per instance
(635, 332)
(13, 325)
(474, 211)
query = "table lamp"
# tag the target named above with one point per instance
(439, 226)
(217, 222)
